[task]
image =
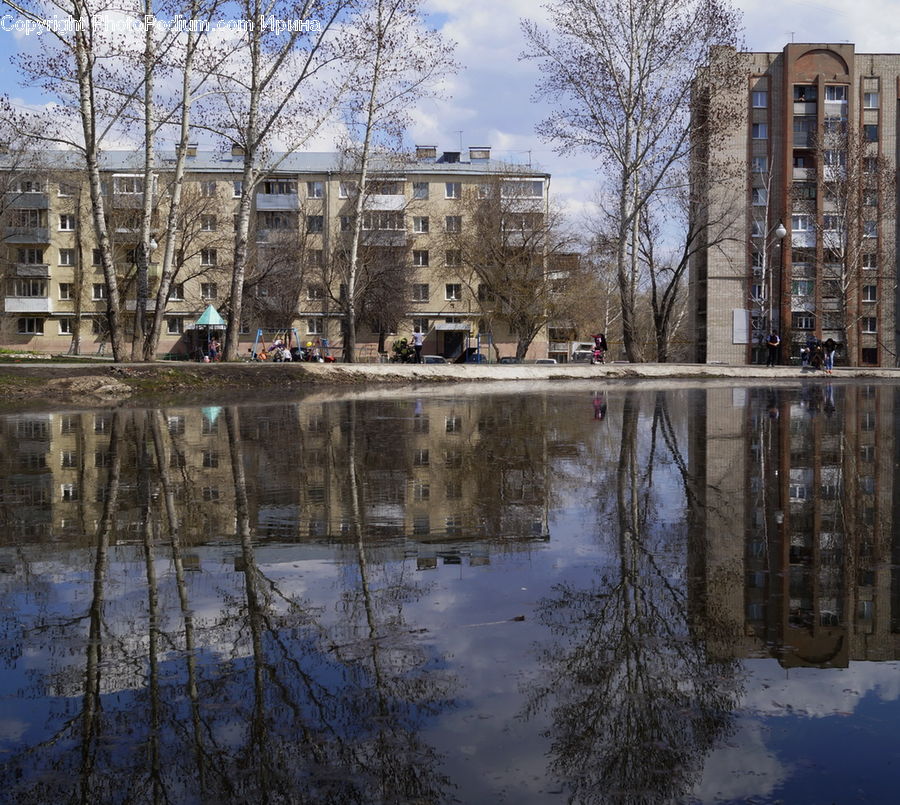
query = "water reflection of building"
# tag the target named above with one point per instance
(436, 470)
(806, 478)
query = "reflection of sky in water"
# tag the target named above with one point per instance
(475, 610)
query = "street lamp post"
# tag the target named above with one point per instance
(779, 232)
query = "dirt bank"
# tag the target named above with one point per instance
(44, 384)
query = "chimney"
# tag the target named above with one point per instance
(450, 156)
(426, 152)
(237, 150)
(479, 152)
(191, 149)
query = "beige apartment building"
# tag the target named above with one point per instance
(416, 215)
(806, 174)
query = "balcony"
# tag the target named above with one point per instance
(277, 201)
(804, 107)
(804, 239)
(26, 234)
(803, 303)
(378, 201)
(27, 201)
(28, 304)
(384, 237)
(32, 270)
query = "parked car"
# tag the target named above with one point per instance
(433, 359)
(510, 359)
(546, 361)
(476, 357)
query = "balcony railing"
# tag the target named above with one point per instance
(277, 201)
(28, 304)
(26, 234)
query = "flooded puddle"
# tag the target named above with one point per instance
(567, 594)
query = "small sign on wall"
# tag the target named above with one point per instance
(740, 326)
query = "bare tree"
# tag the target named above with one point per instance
(396, 61)
(624, 75)
(273, 95)
(859, 187)
(510, 232)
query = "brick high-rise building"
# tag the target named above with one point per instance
(807, 166)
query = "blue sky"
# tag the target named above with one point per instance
(490, 100)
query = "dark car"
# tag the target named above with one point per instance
(476, 357)
(510, 359)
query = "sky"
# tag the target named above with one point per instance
(490, 101)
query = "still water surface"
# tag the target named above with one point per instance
(576, 594)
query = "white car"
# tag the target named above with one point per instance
(433, 359)
(546, 361)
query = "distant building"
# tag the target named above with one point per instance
(812, 148)
(302, 219)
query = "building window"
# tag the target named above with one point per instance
(870, 132)
(453, 223)
(237, 188)
(67, 257)
(384, 221)
(174, 325)
(803, 287)
(208, 257)
(346, 223)
(870, 229)
(210, 459)
(208, 223)
(869, 293)
(316, 223)
(452, 189)
(420, 257)
(759, 195)
(66, 326)
(804, 93)
(65, 190)
(420, 292)
(209, 290)
(836, 92)
(869, 324)
(207, 189)
(128, 184)
(28, 288)
(30, 256)
(315, 292)
(453, 258)
(760, 164)
(65, 290)
(757, 294)
(98, 291)
(420, 190)
(315, 189)
(870, 260)
(67, 222)
(832, 223)
(759, 100)
(420, 224)
(279, 187)
(801, 223)
(315, 326)
(870, 100)
(453, 292)
(528, 188)
(803, 321)
(30, 325)
(756, 259)
(346, 189)
(760, 131)
(176, 292)
(870, 355)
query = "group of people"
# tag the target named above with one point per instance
(815, 353)
(818, 354)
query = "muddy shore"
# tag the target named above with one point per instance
(33, 384)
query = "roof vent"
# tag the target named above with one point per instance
(191, 149)
(479, 152)
(426, 152)
(450, 156)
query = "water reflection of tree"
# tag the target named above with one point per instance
(263, 700)
(634, 698)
